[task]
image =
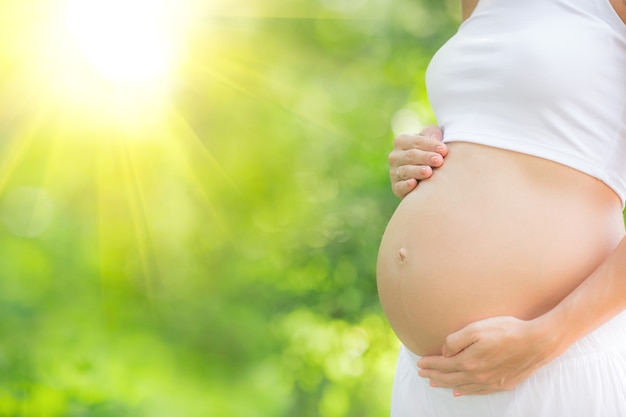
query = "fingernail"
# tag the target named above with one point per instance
(434, 384)
(457, 394)
(435, 159)
(424, 170)
(440, 148)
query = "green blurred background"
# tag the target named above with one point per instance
(205, 245)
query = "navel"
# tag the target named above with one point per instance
(402, 255)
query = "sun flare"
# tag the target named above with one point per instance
(129, 41)
(99, 62)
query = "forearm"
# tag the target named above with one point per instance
(596, 300)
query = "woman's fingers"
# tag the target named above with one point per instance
(422, 142)
(405, 178)
(433, 131)
(399, 158)
(460, 340)
(413, 158)
(411, 171)
(488, 355)
(402, 188)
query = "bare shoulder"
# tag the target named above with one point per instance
(468, 6)
(620, 8)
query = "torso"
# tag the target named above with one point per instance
(496, 232)
(492, 233)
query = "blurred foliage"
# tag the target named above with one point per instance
(210, 252)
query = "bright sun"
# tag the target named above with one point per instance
(102, 61)
(129, 41)
(97, 62)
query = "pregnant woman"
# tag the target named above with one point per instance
(504, 273)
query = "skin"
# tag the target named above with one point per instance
(413, 158)
(620, 8)
(498, 353)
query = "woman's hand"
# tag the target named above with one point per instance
(413, 158)
(490, 355)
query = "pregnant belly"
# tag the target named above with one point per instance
(492, 233)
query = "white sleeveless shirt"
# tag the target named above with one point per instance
(541, 77)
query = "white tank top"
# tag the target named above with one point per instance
(541, 77)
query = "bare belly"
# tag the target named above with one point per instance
(492, 233)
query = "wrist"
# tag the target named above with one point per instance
(550, 334)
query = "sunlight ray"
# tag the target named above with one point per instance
(189, 142)
(17, 146)
(112, 282)
(140, 223)
(257, 95)
(122, 228)
(197, 144)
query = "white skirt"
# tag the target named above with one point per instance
(588, 380)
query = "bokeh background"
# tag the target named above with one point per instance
(192, 194)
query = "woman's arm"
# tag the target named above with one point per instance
(496, 354)
(620, 8)
(467, 7)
